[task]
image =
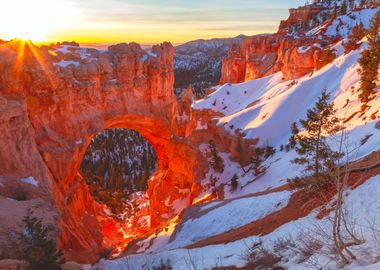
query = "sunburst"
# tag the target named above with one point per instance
(26, 49)
(34, 20)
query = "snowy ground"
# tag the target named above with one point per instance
(363, 203)
(266, 108)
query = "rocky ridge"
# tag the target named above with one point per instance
(295, 49)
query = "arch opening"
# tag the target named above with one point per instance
(117, 166)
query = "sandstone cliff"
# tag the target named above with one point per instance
(55, 98)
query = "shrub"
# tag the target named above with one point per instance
(257, 257)
(35, 246)
(163, 266)
(234, 182)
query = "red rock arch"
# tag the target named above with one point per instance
(59, 109)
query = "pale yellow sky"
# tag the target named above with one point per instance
(144, 21)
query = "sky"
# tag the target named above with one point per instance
(143, 21)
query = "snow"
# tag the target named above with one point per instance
(232, 98)
(79, 142)
(279, 101)
(30, 180)
(228, 216)
(266, 108)
(303, 49)
(150, 53)
(64, 63)
(66, 49)
(363, 201)
(211, 205)
(343, 25)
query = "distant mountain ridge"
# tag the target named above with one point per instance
(198, 63)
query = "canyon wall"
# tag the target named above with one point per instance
(55, 98)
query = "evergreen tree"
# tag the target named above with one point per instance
(335, 11)
(35, 246)
(269, 151)
(257, 160)
(343, 8)
(314, 153)
(370, 60)
(354, 38)
(216, 161)
(234, 182)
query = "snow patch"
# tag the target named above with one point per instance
(29, 180)
(64, 63)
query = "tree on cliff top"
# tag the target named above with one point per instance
(35, 246)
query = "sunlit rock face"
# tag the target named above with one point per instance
(254, 58)
(54, 99)
(298, 19)
(289, 50)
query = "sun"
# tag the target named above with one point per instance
(34, 19)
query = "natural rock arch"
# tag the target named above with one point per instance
(59, 109)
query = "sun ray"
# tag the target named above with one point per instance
(43, 64)
(27, 51)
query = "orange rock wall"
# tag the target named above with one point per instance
(52, 112)
(262, 55)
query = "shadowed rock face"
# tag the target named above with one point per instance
(54, 99)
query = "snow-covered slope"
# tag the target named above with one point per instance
(265, 109)
(343, 25)
(362, 201)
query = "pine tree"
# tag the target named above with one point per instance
(343, 8)
(335, 11)
(216, 161)
(35, 246)
(354, 38)
(257, 161)
(370, 60)
(314, 153)
(234, 182)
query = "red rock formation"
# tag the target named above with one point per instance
(51, 109)
(254, 58)
(296, 58)
(234, 65)
(299, 18)
(262, 55)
